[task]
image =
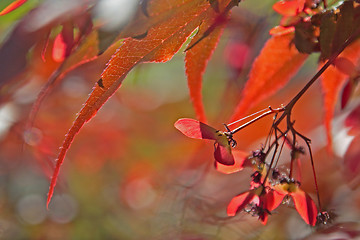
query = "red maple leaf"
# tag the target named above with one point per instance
(163, 29)
(333, 79)
(302, 201)
(278, 61)
(198, 130)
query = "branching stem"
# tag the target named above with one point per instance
(286, 113)
(289, 107)
(271, 111)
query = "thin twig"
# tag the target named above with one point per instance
(271, 111)
(273, 158)
(331, 60)
(248, 116)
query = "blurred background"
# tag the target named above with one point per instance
(129, 173)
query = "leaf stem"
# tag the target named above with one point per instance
(248, 116)
(330, 61)
(288, 109)
(271, 111)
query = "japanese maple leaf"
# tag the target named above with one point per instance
(263, 201)
(197, 56)
(166, 26)
(198, 130)
(278, 61)
(332, 81)
(304, 205)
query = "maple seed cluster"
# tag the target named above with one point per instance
(271, 184)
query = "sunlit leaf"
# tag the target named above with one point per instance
(85, 54)
(278, 61)
(59, 49)
(197, 58)
(344, 65)
(195, 129)
(273, 199)
(305, 206)
(198, 130)
(163, 39)
(332, 81)
(239, 202)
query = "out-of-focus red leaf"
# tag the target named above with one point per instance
(197, 57)
(289, 8)
(236, 54)
(305, 206)
(66, 40)
(241, 160)
(280, 30)
(12, 6)
(13, 52)
(352, 163)
(278, 61)
(344, 65)
(346, 93)
(85, 53)
(59, 48)
(353, 121)
(30, 30)
(161, 42)
(332, 81)
(195, 129)
(239, 202)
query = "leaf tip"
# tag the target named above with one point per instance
(50, 192)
